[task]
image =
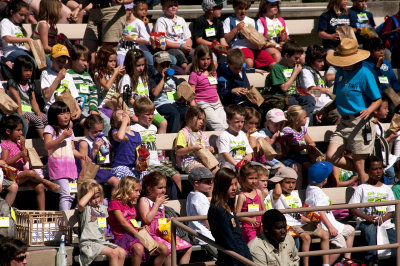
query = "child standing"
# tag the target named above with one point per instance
(190, 139)
(285, 197)
(151, 210)
(122, 219)
(14, 153)
(92, 146)
(93, 222)
(232, 144)
(59, 142)
(125, 143)
(250, 200)
(204, 82)
(369, 218)
(262, 185)
(144, 109)
(341, 235)
(22, 90)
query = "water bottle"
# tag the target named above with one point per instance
(62, 253)
(103, 148)
(169, 73)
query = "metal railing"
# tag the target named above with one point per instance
(177, 222)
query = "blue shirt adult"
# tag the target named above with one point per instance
(384, 75)
(328, 22)
(355, 90)
(360, 19)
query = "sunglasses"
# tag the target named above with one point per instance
(207, 181)
(165, 64)
(20, 258)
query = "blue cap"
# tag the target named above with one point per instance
(318, 172)
(273, 1)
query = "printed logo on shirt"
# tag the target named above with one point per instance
(384, 67)
(149, 139)
(339, 21)
(238, 149)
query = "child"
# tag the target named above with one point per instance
(140, 11)
(273, 26)
(282, 79)
(10, 186)
(362, 18)
(46, 27)
(250, 200)
(197, 203)
(144, 109)
(232, 144)
(84, 83)
(232, 79)
(152, 211)
(13, 40)
(59, 142)
(22, 91)
(93, 222)
(135, 83)
(203, 80)
(121, 213)
(369, 218)
(224, 224)
(190, 139)
(163, 87)
(106, 71)
(341, 235)
(56, 80)
(208, 28)
(262, 185)
(92, 146)
(125, 143)
(275, 120)
(15, 154)
(285, 197)
(310, 80)
(396, 186)
(251, 121)
(233, 24)
(177, 33)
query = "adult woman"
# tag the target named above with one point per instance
(12, 252)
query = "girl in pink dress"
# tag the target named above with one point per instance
(152, 212)
(250, 200)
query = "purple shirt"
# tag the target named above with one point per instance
(204, 90)
(125, 151)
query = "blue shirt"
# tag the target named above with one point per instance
(355, 90)
(383, 73)
(125, 151)
(328, 22)
(360, 19)
(227, 81)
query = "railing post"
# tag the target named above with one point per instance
(397, 224)
(173, 243)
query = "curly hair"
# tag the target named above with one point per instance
(125, 186)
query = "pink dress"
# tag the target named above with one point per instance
(13, 149)
(249, 231)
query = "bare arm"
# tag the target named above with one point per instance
(286, 86)
(227, 157)
(158, 88)
(124, 223)
(43, 30)
(35, 105)
(15, 96)
(50, 144)
(146, 213)
(85, 200)
(277, 191)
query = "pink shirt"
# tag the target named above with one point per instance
(204, 90)
(13, 149)
(128, 213)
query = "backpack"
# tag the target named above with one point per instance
(381, 147)
(264, 23)
(179, 159)
(232, 25)
(7, 215)
(389, 42)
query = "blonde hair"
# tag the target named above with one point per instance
(88, 185)
(115, 124)
(126, 185)
(293, 115)
(143, 105)
(261, 170)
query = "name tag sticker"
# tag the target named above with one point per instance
(26, 108)
(210, 32)
(383, 80)
(287, 73)
(362, 17)
(135, 223)
(162, 221)
(73, 188)
(381, 209)
(141, 90)
(253, 207)
(213, 80)
(172, 95)
(102, 222)
(84, 88)
(178, 29)
(4, 221)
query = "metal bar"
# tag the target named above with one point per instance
(397, 226)
(175, 223)
(173, 243)
(349, 250)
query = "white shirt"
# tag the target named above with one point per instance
(272, 24)
(148, 136)
(7, 28)
(176, 29)
(268, 202)
(198, 204)
(237, 146)
(392, 158)
(240, 42)
(287, 202)
(316, 197)
(47, 78)
(369, 193)
(136, 29)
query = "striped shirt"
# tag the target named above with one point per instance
(86, 88)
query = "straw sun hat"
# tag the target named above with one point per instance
(347, 54)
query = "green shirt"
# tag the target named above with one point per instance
(278, 76)
(86, 89)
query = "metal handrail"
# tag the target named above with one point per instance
(177, 222)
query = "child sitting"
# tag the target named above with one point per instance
(341, 235)
(232, 144)
(285, 197)
(361, 18)
(262, 185)
(10, 186)
(369, 218)
(197, 203)
(140, 11)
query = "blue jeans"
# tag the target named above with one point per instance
(175, 114)
(368, 230)
(306, 101)
(18, 52)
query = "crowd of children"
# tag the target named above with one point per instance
(119, 98)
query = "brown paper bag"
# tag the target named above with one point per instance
(267, 149)
(254, 96)
(34, 159)
(69, 100)
(147, 241)
(7, 105)
(253, 36)
(346, 31)
(117, 103)
(91, 170)
(393, 96)
(315, 154)
(207, 158)
(395, 123)
(186, 91)
(38, 53)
